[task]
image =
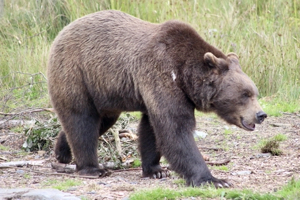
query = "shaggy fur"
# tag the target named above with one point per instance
(108, 62)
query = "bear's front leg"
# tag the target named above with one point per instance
(149, 152)
(174, 138)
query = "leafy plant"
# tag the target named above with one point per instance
(41, 135)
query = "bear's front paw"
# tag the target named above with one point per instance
(218, 183)
(156, 172)
(94, 172)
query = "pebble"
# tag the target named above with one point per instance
(241, 173)
(35, 194)
(200, 134)
(19, 171)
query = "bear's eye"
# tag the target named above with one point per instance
(246, 94)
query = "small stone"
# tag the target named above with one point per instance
(72, 189)
(19, 171)
(200, 134)
(263, 155)
(241, 173)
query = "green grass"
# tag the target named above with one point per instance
(265, 35)
(271, 145)
(3, 148)
(276, 106)
(61, 185)
(280, 137)
(289, 192)
(222, 168)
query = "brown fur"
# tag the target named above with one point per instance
(109, 62)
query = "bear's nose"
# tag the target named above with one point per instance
(260, 116)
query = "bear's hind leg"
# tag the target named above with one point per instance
(149, 153)
(81, 128)
(107, 121)
(62, 149)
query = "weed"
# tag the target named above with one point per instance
(271, 146)
(280, 137)
(3, 148)
(62, 185)
(137, 163)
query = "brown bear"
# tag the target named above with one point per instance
(108, 62)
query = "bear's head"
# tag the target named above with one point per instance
(235, 98)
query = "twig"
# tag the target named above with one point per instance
(218, 163)
(129, 169)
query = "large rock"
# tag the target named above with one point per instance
(35, 194)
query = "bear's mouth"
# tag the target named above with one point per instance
(247, 126)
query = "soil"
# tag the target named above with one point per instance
(248, 167)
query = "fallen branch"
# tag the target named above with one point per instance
(28, 111)
(13, 123)
(21, 163)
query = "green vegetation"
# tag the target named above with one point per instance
(271, 145)
(41, 135)
(228, 131)
(3, 148)
(280, 137)
(137, 163)
(265, 35)
(62, 185)
(222, 168)
(289, 192)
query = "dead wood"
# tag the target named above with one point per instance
(22, 163)
(28, 111)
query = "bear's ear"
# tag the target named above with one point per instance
(214, 62)
(210, 59)
(234, 60)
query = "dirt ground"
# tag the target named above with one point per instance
(248, 167)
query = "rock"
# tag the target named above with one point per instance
(36, 194)
(200, 134)
(241, 173)
(263, 155)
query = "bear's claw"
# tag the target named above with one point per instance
(220, 183)
(158, 173)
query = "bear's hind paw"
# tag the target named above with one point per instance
(95, 172)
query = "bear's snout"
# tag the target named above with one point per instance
(260, 117)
